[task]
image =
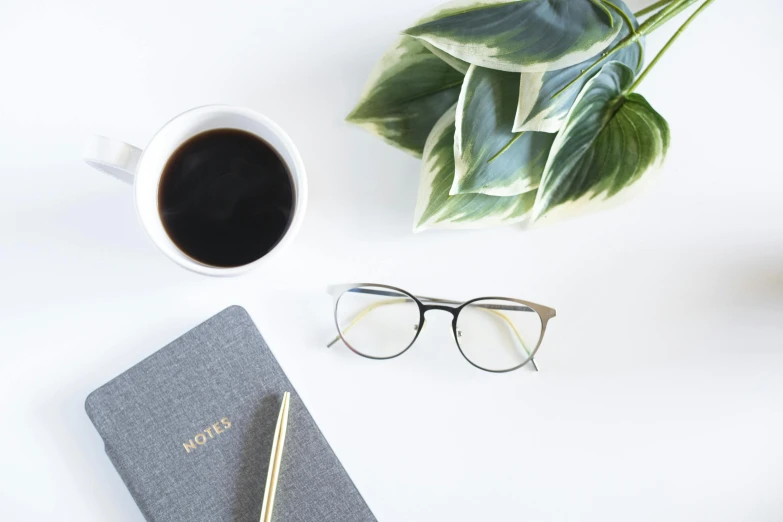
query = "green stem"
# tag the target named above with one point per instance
(505, 147)
(600, 5)
(668, 44)
(622, 13)
(649, 25)
(628, 40)
(632, 30)
(651, 8)
(664, 15)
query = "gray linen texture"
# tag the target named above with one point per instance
(220, 369)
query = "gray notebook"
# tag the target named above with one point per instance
(190, 431)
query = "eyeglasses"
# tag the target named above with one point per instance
(496, 334)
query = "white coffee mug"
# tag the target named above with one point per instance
(143, 170)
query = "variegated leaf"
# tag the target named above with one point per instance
(490, 158)
(407, 92)
(609, 140)
(522, 35)
(437, 209)
(458, 64)
(546, 97)
(439, 12)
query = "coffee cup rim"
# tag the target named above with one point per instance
(183, 127)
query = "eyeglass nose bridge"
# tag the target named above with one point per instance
(450, 309)
(453, 310)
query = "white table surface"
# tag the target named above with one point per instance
(660, 395)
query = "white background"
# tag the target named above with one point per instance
(661, 390)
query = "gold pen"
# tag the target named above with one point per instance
(274, 460)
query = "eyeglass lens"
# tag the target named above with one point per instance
(376, 321)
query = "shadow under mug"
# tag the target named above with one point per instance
(143, 170)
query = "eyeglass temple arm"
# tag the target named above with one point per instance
(402, 298)
(516, 332)
(366, 311)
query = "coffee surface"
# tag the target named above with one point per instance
(225, 198)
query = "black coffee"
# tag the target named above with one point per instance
(225, 198)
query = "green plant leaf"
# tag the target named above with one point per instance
(436, 13)
(437, 209)
(546, 97)
(407, 92)
(522, 35)
(490, 158)
(609, 140)
(456, 63)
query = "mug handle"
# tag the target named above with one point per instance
(114, 157)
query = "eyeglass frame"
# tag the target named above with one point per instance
(544, 313)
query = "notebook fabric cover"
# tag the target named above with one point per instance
(190, 430)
